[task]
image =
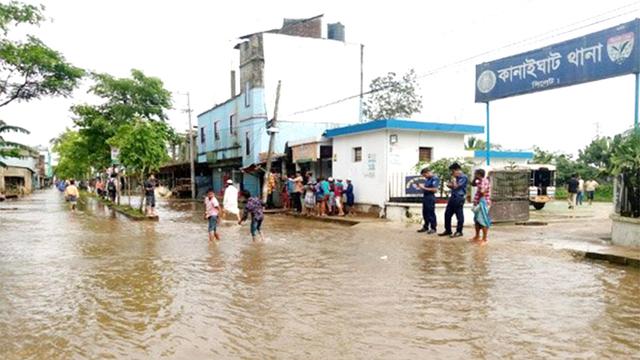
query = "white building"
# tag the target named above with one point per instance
(377, 154)
(315, 68)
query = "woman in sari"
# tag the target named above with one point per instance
(481, 203)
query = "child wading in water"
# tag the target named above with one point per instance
(211, 211)
(481, 203)
(255, 208)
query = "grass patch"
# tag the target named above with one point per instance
(604, 193)
(126, 210)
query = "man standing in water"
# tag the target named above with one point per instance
(211, 210)
(71, 193)
(430, 188)
(458, 186)
(255, 208)
(230, 200)
(150, 196)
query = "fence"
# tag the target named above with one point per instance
(400, 190)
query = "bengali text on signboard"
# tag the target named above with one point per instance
(604, 54)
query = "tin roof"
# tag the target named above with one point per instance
(406, 125)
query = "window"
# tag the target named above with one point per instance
(247, 144)
(216, 130)
(424, 154)
(357, 154)
(232, 124)
(202, 139)
(247, 96)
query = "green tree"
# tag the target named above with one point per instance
(597, 154)
(392, 96)
(441, 169)
(74, 153)
(541, 156)
(15, 13)
(10, 148)
(473, 143)
(124, 99)
(29, 69)
(143, 148)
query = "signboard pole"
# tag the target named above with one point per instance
(488, 142)
(635, 123)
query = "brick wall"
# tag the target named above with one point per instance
(305, 28)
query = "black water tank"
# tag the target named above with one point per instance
(335, 31)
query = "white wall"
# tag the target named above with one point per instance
(370, 187)
(403, 156)
(313, 72)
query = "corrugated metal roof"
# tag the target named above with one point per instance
(407, 125)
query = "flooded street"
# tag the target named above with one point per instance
(96, 285)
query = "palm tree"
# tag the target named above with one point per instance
(9, 148)
(473, 143)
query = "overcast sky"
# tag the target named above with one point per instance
(188, 44)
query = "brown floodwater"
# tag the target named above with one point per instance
(95, 285)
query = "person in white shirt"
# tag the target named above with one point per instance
(591, 186)
(230, 200)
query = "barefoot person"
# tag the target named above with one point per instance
(230, 200)
(481, 203)
(211, 210)
(255, 208)
(71, 193)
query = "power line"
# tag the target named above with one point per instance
(535, 38)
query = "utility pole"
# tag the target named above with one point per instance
(361, 115)
(271, 130)
(188, 110)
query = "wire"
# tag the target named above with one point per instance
(535, 38)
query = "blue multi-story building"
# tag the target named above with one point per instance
(314, 71)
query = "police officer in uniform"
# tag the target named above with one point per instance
(430, 188)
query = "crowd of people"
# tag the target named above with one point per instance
(318, 197)
(300, 194)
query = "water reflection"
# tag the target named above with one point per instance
(96, 285)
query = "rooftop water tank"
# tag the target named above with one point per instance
(335, 31)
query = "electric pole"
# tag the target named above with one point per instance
(188, 110)
(272, 129)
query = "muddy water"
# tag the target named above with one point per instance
(94, 285)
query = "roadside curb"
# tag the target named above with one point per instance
(120, 210)
(616, 259)
(339, 221)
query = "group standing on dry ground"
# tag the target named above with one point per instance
(318, 197)
(455, 205)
